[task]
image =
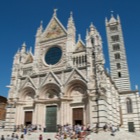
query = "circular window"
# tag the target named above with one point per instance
(53, 55)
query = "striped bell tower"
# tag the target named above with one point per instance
(117, 54)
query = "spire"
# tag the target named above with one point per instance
(87, 33)
(112, 13)
(118, 18)
(71, 34)
(55, 13)
(106, 21)
(41, 24)
(92, 29)
(30, 50)
(71, 21)
(112, 19)
(71, 16)
(79, 37)
(40, 29)
(23, 49)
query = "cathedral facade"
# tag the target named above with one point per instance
(65, 81)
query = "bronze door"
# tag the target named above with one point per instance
(28, 117)
(77, 116)
(131, 127)
(51, 118)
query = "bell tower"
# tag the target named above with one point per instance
(117, 54)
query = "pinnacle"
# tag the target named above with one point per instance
(24, 44)
(55, 12)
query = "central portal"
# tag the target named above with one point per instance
(51, 118)
(77, 116)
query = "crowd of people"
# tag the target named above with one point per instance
(13, 137)
(27, 129)
(79, 132)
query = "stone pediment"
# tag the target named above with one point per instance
(28, 83)
(29, 59)
(50, 78)
(80, 46)
(54, 30)
(76, 75)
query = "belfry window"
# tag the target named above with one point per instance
(118, 66)
(113, 28)
(116, 47)
(129, 105)
(115, 38)
(117, 56)
(119, 74)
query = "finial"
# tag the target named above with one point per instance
(87, 32)
(30, 49)
(23, 47)
(71, 14)
(91, 25)
(106, 20)
(79, 36)
(41, 22)
(118, 18)
(70, 20)
(55, 12)
(24, 44)
(112, 12)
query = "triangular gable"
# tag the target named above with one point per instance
(80, 46)
(54, 30)
(75, 74)
(28, 83)
(51, 78)
(29, 59)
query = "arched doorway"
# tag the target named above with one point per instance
(27, 96)
(50, 93)
(77, 90)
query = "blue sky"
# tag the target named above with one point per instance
(19, 20)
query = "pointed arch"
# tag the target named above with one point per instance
(49, 90)
(27, 94)
(129, 105)
(76, 88)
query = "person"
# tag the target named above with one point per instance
(113, 130)
(97, 127)
(16, 136)
(105, 127)
(40, 137)
(118, 128)
(25, 130)
(57, 136)
(22, 137)
(2, 137)
(12, 136)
